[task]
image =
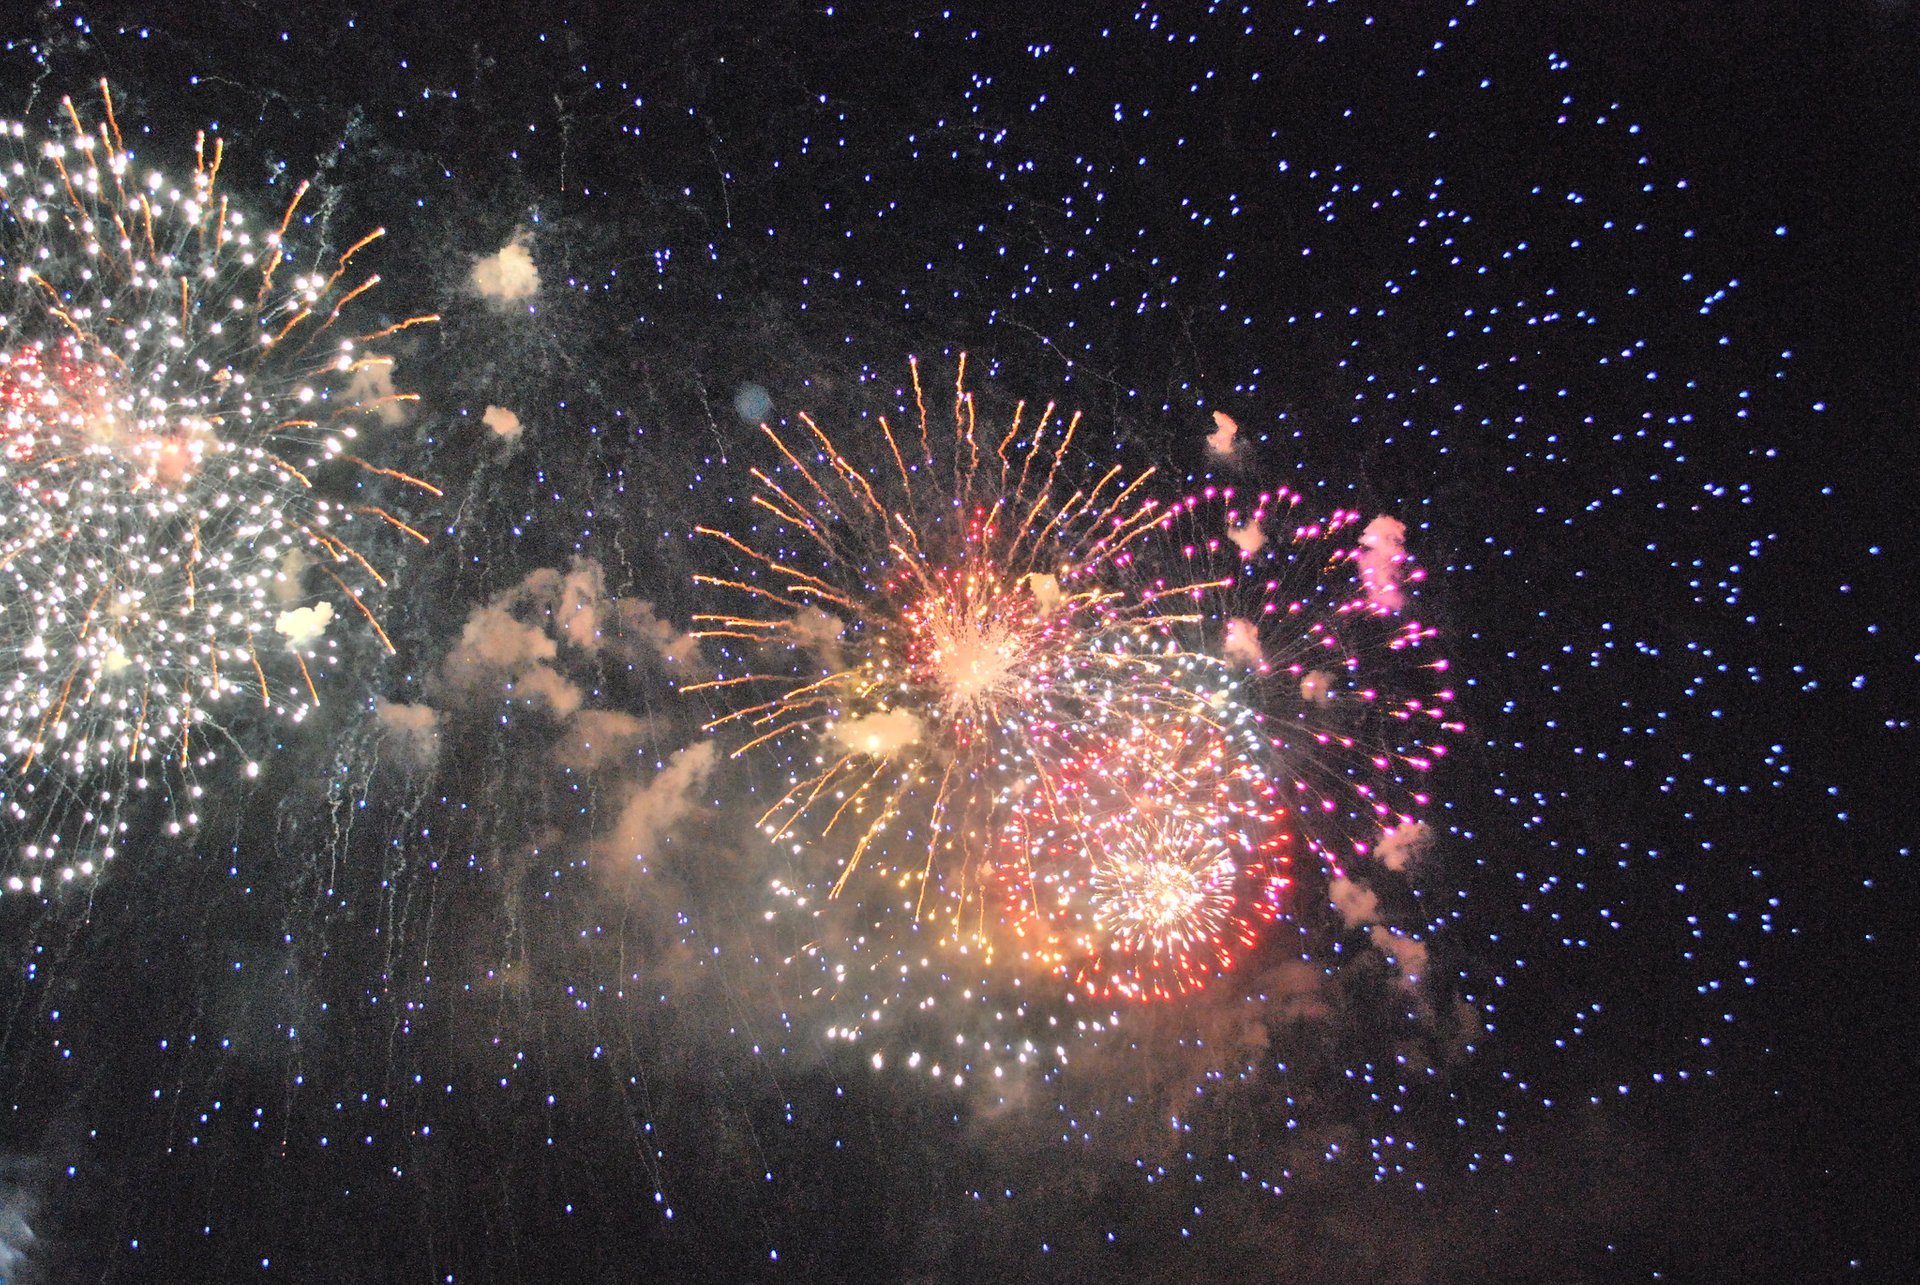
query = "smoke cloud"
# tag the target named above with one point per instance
(819, 633)
(504, 423)
(880, 734)
(653, 809)
(1045, 589)
(288, 585)
(544, 684)
(594, 738)
(371, 389)
(1242, 645)
(1356, 902)
(415, 728)
(303, 626)
(579, 596)
(1220, 441)
(1359, 906)
(1249, 539)
(509, 275)
(1383, 549)
(634, 624)
(1407, 953)
(510, 645)
(495, 647)
(1403, 845)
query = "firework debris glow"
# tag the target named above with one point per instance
(175, 383)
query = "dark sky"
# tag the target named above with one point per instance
(1611, 306)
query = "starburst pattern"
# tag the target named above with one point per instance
(176, 388)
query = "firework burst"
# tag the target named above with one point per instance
(176, 388)
(1051, 745)
(1317, 619)
(952, 627)
(1150, 862)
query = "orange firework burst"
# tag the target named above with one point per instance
(949, 624)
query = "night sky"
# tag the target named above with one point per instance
(481, 975)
